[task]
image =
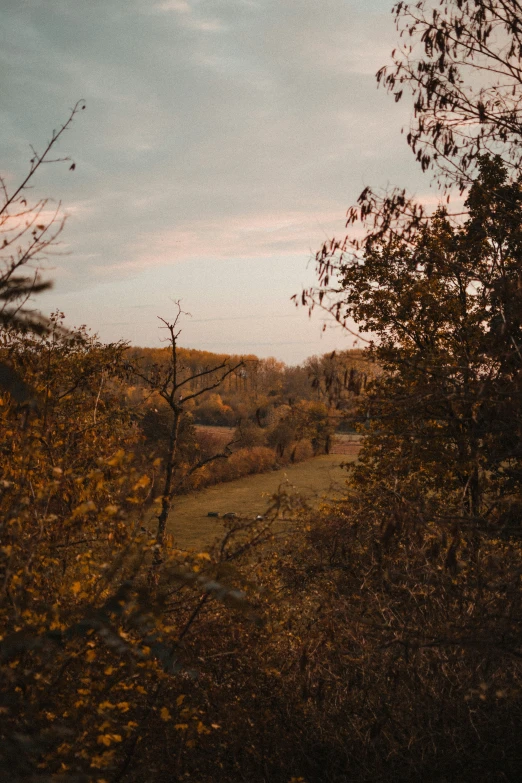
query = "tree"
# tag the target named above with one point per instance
(445, 313)
(462, 62)
(88, 654)
(178, 386)
(28, 236)
(440, 291)
(414, 648)
(67, 545)
(420, 558)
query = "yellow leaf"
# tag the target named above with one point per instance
(91, 655)
(105, 705)
(117, 459)
(75, 588)
(83, 508)
(143, 482)
(102, 761)
(180, 700)
(165, 714)
(181, 726)
(108, 739)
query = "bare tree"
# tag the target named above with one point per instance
(28, 232)
(176, 385)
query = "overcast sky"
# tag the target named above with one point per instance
(222, 142)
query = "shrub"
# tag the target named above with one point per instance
(248, 434)
(302, 450)
(213, 411)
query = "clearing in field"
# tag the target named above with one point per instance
(192, 528)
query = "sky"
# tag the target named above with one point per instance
(222, 143)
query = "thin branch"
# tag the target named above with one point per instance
(38, 160)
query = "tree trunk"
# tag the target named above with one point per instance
(166, 500)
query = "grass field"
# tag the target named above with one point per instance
(314, 479)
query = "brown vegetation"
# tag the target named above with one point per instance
(376, 638)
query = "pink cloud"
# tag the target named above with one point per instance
(247, 236)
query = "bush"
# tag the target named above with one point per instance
(248, 434)
(303, 450)
(213, 411)
(255, 460)
(242, 463)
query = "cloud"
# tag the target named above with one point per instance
(204, 25)
(248, 236)
(179, 6)
(214, 129)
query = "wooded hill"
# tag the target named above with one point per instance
(277, 414)
(334, 379)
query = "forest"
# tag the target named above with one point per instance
(375, 638)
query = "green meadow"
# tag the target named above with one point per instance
(192, 528)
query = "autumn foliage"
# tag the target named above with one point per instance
(376, 638)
